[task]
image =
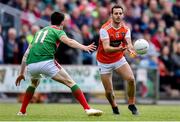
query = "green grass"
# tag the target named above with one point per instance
(74, 112)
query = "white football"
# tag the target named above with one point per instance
(141, 46)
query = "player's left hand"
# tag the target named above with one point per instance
(90, 48)
(19, 78)
(132, 52)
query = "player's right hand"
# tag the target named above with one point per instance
(19, 78)
(90, 48)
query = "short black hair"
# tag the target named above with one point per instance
(116, 6)
(57, 18)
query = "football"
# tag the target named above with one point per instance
(141, 46)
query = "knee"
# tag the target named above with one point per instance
(35, 83)
(69, 82)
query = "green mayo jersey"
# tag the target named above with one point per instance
(44, 44)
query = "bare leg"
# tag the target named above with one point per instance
(63, 77)
(107, 83)
(127, 74)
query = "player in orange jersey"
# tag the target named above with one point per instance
(115, 38)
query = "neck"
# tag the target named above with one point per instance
(116, 25)
(58, 26)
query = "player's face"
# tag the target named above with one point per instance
(117, 15)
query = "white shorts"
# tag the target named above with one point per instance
(48, 68)
(108, 68)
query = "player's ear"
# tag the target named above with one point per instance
(62, 23)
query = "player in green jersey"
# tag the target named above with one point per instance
(39, 58)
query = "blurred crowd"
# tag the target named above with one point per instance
(154, 20)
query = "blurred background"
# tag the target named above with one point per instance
(157, 73)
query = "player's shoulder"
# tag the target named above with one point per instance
(55, 28)
(124, 25)
(107, 25)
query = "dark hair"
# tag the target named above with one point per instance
(116, 6)
(57, 18)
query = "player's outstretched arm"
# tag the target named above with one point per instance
(73, 43)
(23, 66)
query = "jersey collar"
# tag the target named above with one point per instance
(120, 25)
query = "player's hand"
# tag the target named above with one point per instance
(19, 78)
(122, 47)
(132, 53)
(90, 48)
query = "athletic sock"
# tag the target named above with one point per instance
(78, 94)
(131, 100)
(27, 98)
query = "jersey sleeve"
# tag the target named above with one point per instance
(128, 34)
(61, 33)
(103, 34)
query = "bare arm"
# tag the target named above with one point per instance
(130, 47)
(23, 66)
(23, 63)
(108, 48)
(74, 44)
(129, 43)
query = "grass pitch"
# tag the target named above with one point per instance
(74, 112)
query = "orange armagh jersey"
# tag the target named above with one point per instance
(116, 37)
